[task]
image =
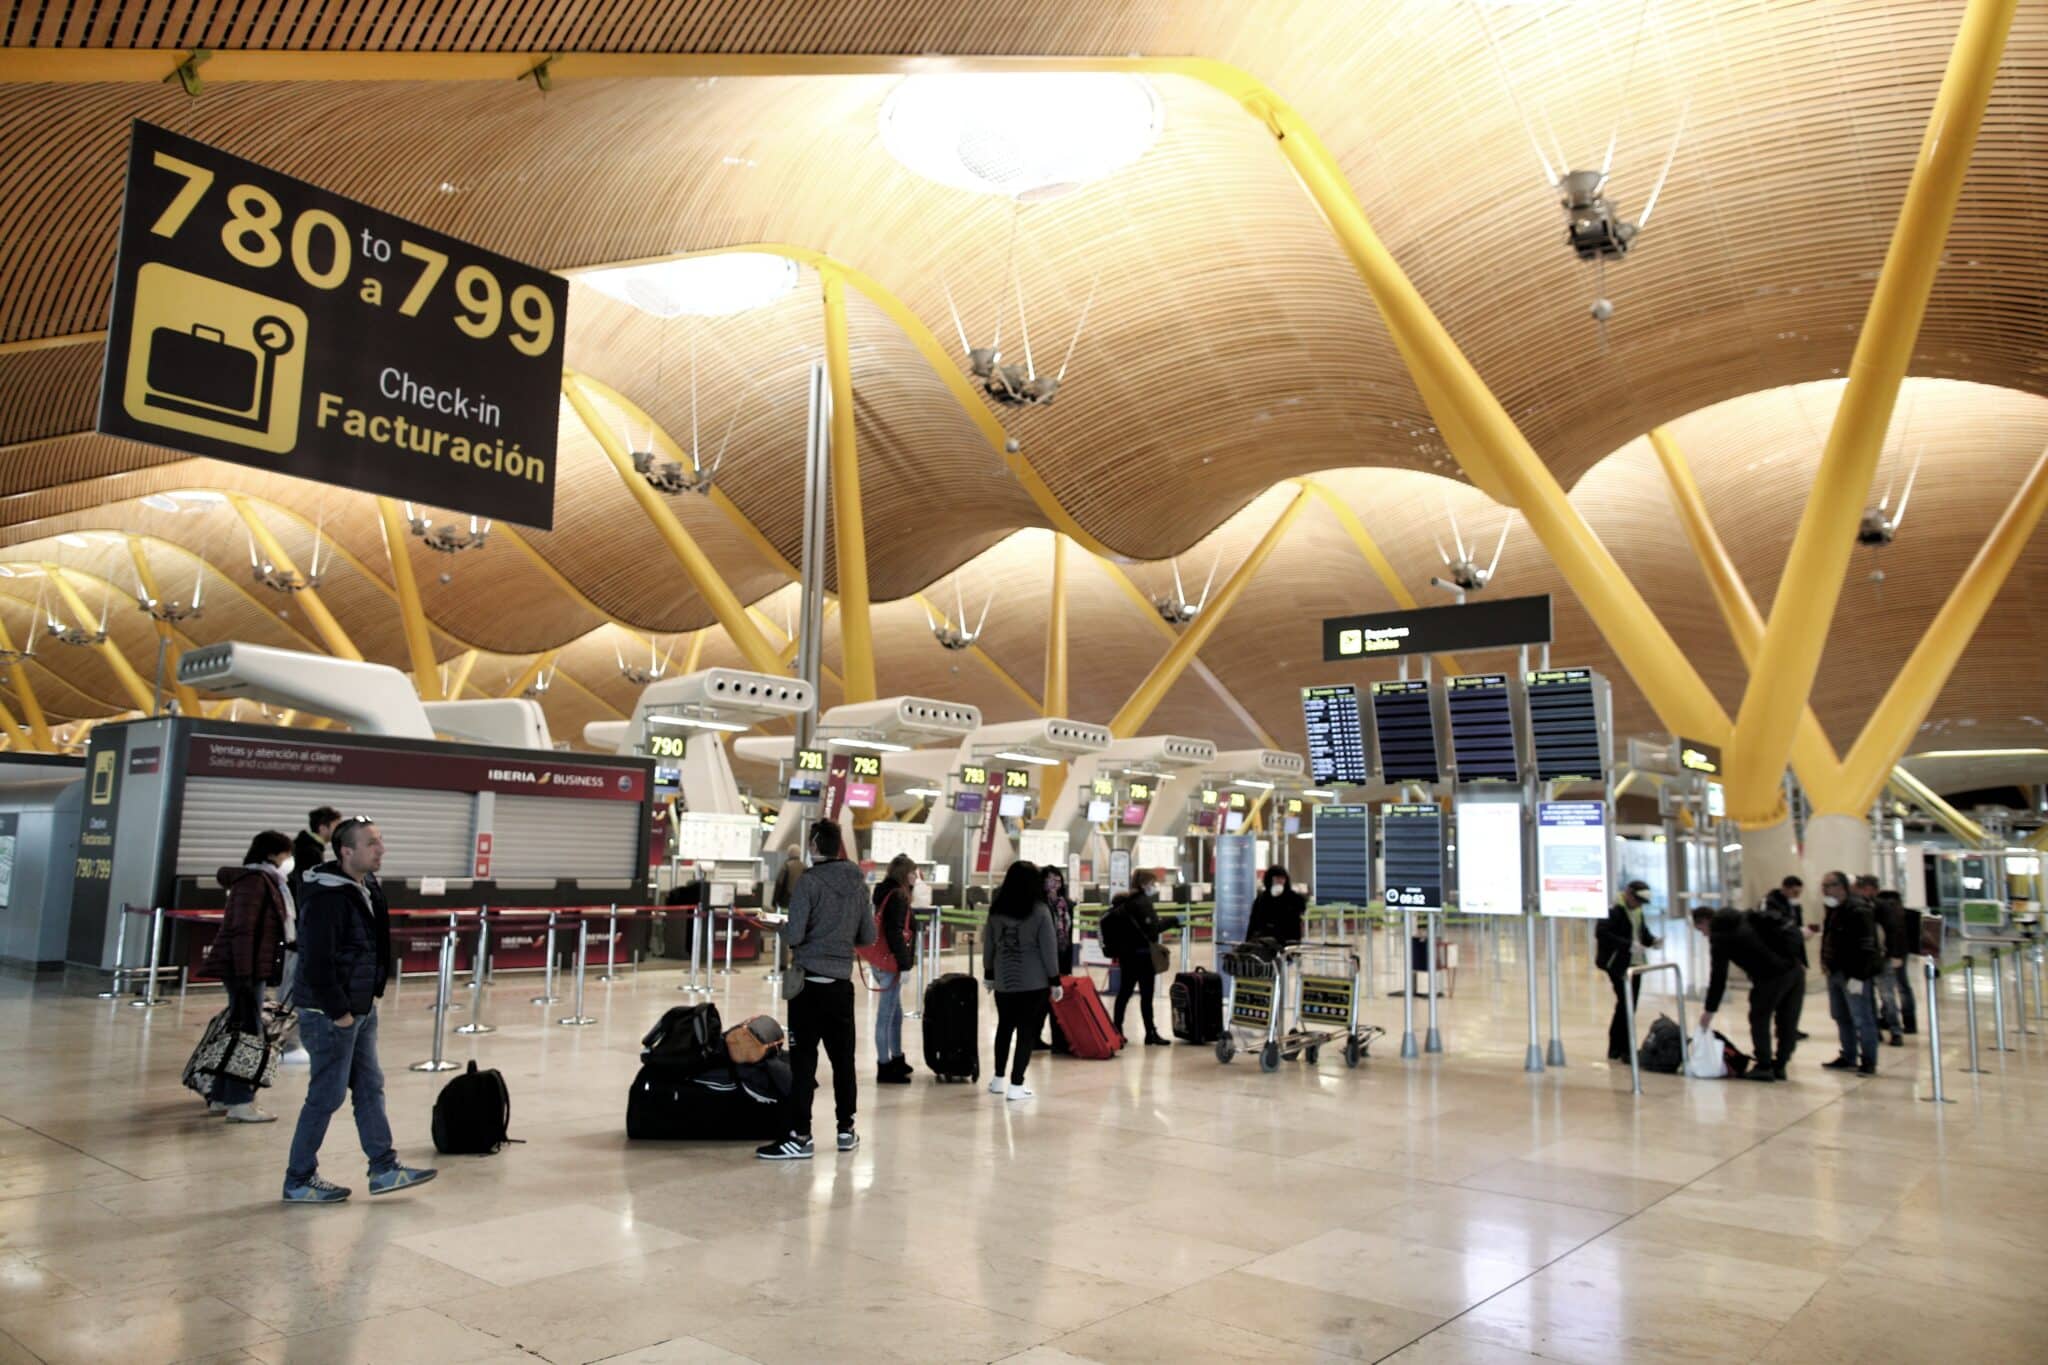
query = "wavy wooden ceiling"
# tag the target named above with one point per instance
(1229, 344)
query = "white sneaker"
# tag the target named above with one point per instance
(216, 1107)
(249, 1113)
(998, 1086)
(298, 1056)
(1021, 1092)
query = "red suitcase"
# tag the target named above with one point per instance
(1082, 1019)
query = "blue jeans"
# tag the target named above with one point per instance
(1855, 1017)
(888, 1016)
(344, 1063)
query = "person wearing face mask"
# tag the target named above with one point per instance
(1277, 911)
(1852, 957)
(1614, 952)
(1783, 903)
(249, 954)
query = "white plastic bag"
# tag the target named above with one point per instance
(1705, 1059)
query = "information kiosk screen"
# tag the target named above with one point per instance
(1343, 855)
(1414, 836)
(1482, 728)
(1407, 730)
(1336, 736)
(1564, 725)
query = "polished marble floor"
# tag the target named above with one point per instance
(1161, 1207)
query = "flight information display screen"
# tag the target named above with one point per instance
(1564, 725)
(1407, 730)
(1482, 728)
(1414, 840)
(1336, 736)
(1343, 855)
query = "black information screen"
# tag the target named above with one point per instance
(1563, 725)
(1415, 856)
(1482, 728)
(1336, 736)
(1407, 730)
(1343, 855)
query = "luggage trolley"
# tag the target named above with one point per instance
(1327, 985)
(1254, 996)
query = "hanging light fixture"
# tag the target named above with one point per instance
(657, 663)
(448, 538)
(285, 580)
(951, 636)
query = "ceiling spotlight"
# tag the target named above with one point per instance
(1024, 135)
(1177, 610)
(1466, 575)
(698, 286)
(951, 636)
(656, 669)
(448, 538)
(1881, 523)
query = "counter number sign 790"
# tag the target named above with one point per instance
(322, 251)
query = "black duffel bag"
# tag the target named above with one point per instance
(688, 1039)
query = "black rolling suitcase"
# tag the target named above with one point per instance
(952, 1028)
(729, 1103)
(1197, 999)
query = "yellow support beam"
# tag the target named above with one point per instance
(188, 700)
(459, 683)
(1891, 727)
(1911, 788)
(696, 565)
(987, 661)
(849, 528)
(330, 631)
(140, 692)
(1056, 633)
(532, 672)
(696, 652)
(1150, 613)
(1781, 680)
(419, 641)
(12, 726)
(1132, 715)
(791, 644)
(666, 444)
(1375, 559)
(1813, 757)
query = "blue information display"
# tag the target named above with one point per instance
(1482, 728)
(1236, 883)
(1414, 835)
(1343, 855)
(1406, 725)
(1336, 736)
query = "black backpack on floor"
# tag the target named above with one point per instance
(688, 1039)
(1663, 1049)
(472, 1113)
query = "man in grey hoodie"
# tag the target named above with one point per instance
(830, 915)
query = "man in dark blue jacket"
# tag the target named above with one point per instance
(343, 962)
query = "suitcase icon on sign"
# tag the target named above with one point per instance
(214, 359)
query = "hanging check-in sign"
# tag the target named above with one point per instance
(260, 319)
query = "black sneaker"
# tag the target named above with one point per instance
(1867, 1069)
(1759, 1074)
(1898, 1040)
(1800, 1034)
(1778, 1074)
(791, 1148)
(848, 1140)
(1840, 1064)
(1159, 1040)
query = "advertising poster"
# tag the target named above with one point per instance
(1236, 884)
(1490, 857)
(1571, 859)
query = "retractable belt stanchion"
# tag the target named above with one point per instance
(156, 947)
(1533, 1059)
(444, 987)
(454, 924)
(1997, 1007)
(2018, 954)
(731, 914)
(699, 983)
(611, 951)
(1970, 1010)
(577, 1018)
(547, 994)
(1554, 1054)
(1934, 1030)
(477, 970)
(1187, 938)
(1628, 1000)
(1433, 1041)
(113, 990)
(1408, 1048)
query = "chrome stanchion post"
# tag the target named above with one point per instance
(1408, 1048)
(1635, 1061)
(156, 947)
(1997, 1006)
(1187, 938)
(2018, 956)
(611, 951)
(730, 915)
(443, 988)
(547, 994)
(477, 970)
(577, 1018)
(1554, 1054)
(698, 982)
(1934, 1030)
(1434, 1041)
(1532, 1060)
(113, 990)
(454, 927)
(1970, 1010)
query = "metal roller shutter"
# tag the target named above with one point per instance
(558, 840)
(426, 833)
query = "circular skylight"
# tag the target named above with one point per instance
(1024, 135)
(698, 286)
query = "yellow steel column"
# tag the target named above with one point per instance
(419, 643)
(1376, 560)
(982, 657)
(25, 693)
(1131, 717)
(188, 700)
(139, 691)
(1897, 719)
(1804, 609)
(13, 728)
(531, 672)
(1813, 757)
(1492, 450)
(849, 531)
(1056, 632)
(1918, 792)
(696, 565)
(459, 683)
(336, 639)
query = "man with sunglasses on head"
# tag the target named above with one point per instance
(344, 962)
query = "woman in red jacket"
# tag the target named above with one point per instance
(249, 955)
